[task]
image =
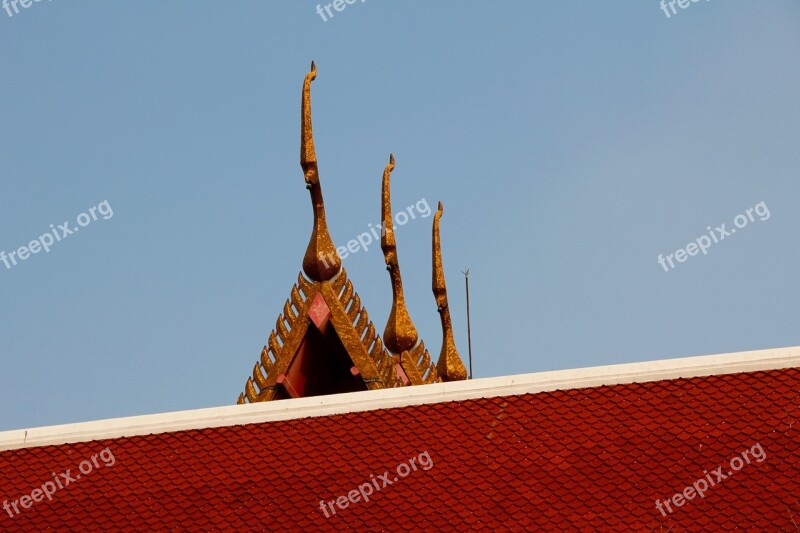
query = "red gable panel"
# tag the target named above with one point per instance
(595, 459)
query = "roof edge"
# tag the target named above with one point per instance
(235, 415)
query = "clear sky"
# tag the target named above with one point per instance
(571, 142)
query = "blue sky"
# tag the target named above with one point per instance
(571, 142)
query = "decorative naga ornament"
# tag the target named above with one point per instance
(320, 248)
(450, 366)
(324, 342)
(400, 335)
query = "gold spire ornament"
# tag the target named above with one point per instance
(450, 365)
(400, 334)
(412, 360)
(321, 262)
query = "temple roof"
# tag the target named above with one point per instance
(590, 448)
(324, 342)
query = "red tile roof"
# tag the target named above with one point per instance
(594, 459)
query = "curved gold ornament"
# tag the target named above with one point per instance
(400, 334)
(321, 262)
(450, 366)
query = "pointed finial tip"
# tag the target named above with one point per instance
(313, 66)
(391, 159)
(441, 206)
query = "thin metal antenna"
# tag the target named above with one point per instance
(469, 330)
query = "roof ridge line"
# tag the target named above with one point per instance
(618, 374)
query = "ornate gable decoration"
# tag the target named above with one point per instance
(324, 342)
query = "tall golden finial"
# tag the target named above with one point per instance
(321, 261)
(450, 366)
(400, 334)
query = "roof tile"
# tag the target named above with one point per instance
(588, 459)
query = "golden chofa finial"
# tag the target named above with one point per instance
(321, 261)
(400, 334)
(450, 366)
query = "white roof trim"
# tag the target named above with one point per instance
(389, 398)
